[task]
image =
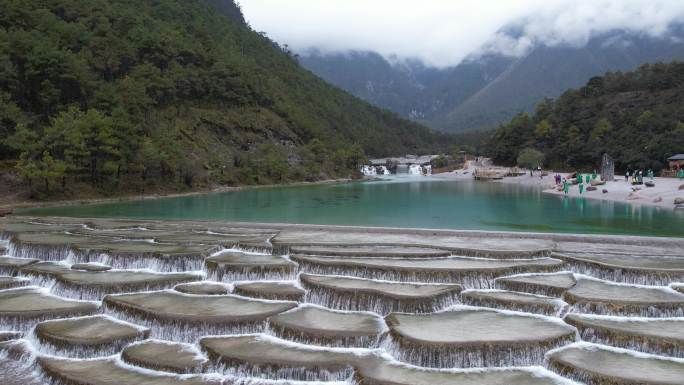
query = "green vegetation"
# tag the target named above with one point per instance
(636, 117)
(124, 95)
(530, 158)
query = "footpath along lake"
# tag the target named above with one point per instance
(401, 202)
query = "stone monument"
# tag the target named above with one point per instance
(607, 168)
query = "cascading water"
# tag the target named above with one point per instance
(172, 326)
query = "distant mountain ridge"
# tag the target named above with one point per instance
(483, 92)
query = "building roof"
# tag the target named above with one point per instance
(676, 157)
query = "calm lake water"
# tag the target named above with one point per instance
(402, 202)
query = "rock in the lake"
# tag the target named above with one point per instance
(605, 191)
(649, 183)
(679, 201)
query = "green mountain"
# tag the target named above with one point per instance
(636, 117)
(124, 94)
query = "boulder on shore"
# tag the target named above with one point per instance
(605, 191)
(679, 201)
(591, 188)
(597, 182)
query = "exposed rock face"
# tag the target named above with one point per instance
(165, 356)
(476, 337)
(597, 364)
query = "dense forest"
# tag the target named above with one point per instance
(123, 95)
(636, 117)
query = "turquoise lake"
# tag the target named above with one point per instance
(401, 202)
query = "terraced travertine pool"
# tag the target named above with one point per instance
(107, 301)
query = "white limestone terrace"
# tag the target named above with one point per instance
(292, 327)
(600, 364)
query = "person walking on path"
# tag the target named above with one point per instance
(627, 176)
(581, 188)
(680, 174)
(566, 186)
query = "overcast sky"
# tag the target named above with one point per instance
(443, 32)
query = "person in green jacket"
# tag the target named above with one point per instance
(594, 175)
(581, 188)
(579, 178)
(680, 173)
(587, 178)
(566, 186)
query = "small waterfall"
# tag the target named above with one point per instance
(659, 311)
(42, 252)
(317, 340)
(436, 356)
(182, 331)
(368, 170)
(469, 279)
(160, 263)
(637, 277)
(552, 310)
(97, 292)
(275, 372)
(45, 347)
(380, 304)
(415, 169)
(640, 344)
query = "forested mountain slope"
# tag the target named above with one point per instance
(636, 117)
(125, 93)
